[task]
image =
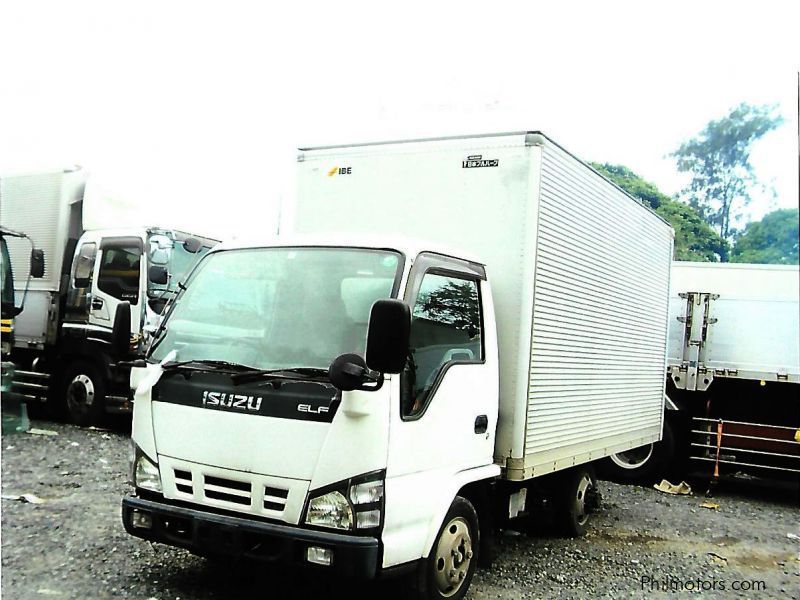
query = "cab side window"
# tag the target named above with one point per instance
(446, 327)
(119, 273)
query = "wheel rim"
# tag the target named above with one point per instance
(80, 394)
(453, 556)
(633, 459)
(584, 486)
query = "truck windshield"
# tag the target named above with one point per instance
(6, 278)
(166, 249)
(271, 308)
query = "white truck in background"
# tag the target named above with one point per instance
(370, 405)
(734, 374)
(61, 345)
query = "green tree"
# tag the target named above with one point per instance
(773, 239)
(695, 240)
(718, 160)
(454, 303)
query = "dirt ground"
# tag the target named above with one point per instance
(643, 543)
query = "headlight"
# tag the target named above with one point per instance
(330, 510)
(356, 504)
(366, 493)
(145, 473)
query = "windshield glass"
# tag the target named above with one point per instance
(273, 308)
(166, 249)
(6, 278)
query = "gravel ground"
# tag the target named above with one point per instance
(73, 545)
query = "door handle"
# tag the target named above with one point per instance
(97, 303)
(481, 423)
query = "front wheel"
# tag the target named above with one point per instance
(83, 393)
(448, 570)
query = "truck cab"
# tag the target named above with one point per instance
(62, 351)
(63, 344)
(139, 266)
(244, 361)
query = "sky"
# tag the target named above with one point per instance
(189, 114)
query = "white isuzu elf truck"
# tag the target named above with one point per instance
(368, 405)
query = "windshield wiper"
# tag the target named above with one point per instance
(207, 365)
(162, 326)
(297, 373)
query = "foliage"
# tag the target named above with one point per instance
(454, 303)
(694, 239)
(719, 161)
(773, 239)
(633, 184)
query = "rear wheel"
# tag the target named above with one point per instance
(448, 570)
(83, 393)
(644, 464)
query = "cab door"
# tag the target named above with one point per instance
(117, 278)
(444, 414)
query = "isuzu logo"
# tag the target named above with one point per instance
(226, 400)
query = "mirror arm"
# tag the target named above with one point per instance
(374, 378)
(367, 375)
(355, 370)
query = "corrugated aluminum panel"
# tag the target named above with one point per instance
(599, 332)
(38, 205)
(757, 314)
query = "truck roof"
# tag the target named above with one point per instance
(525, 137)
(408, 246)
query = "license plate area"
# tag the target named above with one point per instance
(223, 538)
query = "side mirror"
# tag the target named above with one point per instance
(388, 336)
(121, 333)
(192, 245)
(158, 274)
(37, 263)
(348, 372)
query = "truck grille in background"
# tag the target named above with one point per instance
(275, 498)
(228, 490)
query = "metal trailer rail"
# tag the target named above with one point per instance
(765, 446)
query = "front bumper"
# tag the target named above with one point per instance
(222, 535)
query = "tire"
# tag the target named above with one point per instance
(451, 563)
(642, 465)
(576, 500)
(83, 393)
